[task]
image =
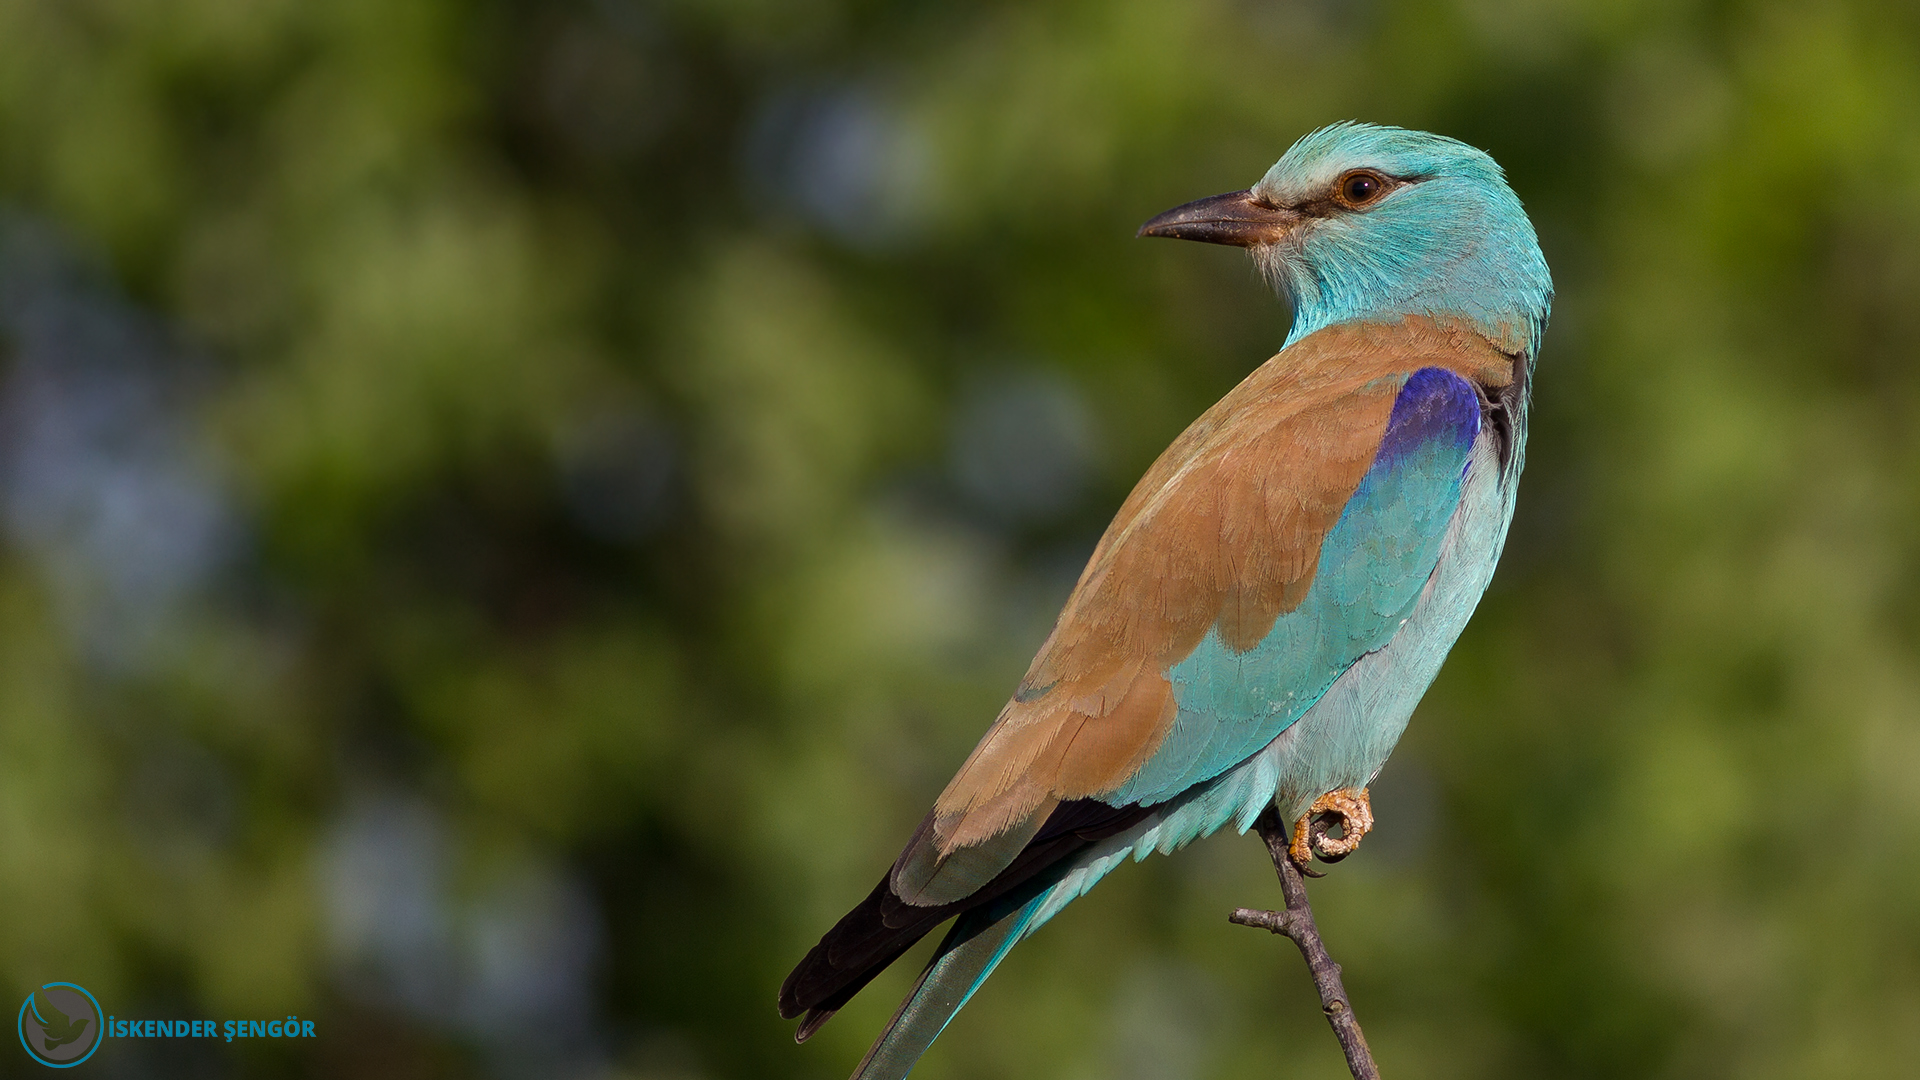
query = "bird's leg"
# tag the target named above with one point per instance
(1348, 807)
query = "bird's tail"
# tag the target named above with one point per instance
(977, 943)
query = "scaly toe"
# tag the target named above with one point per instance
(1354, 813)
(1300, 851)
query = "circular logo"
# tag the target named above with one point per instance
(60, 1025)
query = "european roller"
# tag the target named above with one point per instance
(1257, 624)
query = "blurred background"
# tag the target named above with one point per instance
(510, 511)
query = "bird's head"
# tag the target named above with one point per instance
(1359, 221)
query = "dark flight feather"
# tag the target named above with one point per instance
(882, 927)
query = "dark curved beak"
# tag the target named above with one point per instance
(1236, 218)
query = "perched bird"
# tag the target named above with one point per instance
(1271, 601)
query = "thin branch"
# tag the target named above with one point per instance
(1296, 923)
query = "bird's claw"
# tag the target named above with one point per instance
(1347, 807)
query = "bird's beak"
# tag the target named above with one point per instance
(1236, 218)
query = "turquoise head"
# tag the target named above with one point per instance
(1360, 221)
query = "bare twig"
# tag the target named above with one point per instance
(1296, 923)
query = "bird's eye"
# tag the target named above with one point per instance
(1359, 188)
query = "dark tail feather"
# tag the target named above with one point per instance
(812, 1023)
(972, 949)
(821, 1010)
(881, 928)
(858, 948)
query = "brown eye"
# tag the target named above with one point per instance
(1357, 189)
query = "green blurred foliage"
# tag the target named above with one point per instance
(512, 511)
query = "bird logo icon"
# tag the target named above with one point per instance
(57, 1029)
(59, 1024)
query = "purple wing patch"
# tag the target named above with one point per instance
(1434, 406)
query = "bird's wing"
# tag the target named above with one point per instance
(1281, 538)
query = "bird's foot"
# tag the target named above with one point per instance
(1348, 808)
